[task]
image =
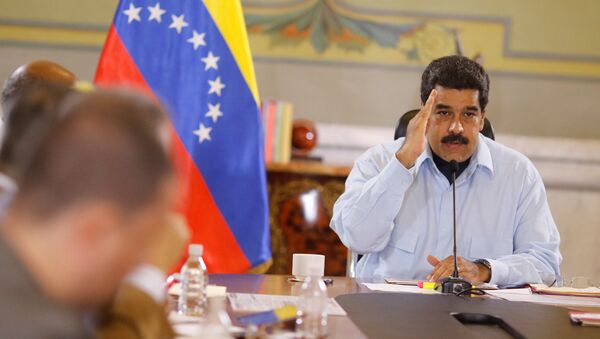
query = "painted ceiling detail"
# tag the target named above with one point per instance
(324, 25)
(351, 32)
(332, 31)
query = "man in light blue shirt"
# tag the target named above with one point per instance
(397, 206)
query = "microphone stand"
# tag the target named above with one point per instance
(454, 284)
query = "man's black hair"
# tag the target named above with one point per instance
(457, 72)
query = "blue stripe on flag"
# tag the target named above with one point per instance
(231, 162)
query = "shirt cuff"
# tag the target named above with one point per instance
(499, 272)
(395, 178)
(150, 280)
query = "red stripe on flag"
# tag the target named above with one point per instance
(222, 253)
(116, 67)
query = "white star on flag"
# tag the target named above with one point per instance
(203, 133)
(178, 23)
(133, 13)
(214, 112)
(216, 86)
(197, 40)
(156, 12)
(210, 61)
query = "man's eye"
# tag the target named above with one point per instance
(469, 114)
(443, 113)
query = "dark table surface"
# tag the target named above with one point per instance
(402, 315)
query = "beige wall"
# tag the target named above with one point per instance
(519, 104)
(524, 105)
(577, 216)
(538, 63)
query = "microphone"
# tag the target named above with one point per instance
(454, 167)
(454, 284)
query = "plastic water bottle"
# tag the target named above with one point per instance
(194, 278)
(311, 321)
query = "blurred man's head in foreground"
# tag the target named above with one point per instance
(95, 185)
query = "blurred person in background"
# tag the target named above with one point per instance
(38, 72)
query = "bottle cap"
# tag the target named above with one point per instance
(195, 249)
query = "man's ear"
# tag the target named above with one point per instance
(93, 223)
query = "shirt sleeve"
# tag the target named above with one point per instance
(133, 314)
(363, 216)
(150, 280)
(536, 256)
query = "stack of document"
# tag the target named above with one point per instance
(585, 318)
(399, 288)
(248, 302)
(571, 291)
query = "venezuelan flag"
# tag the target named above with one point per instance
(193, 56)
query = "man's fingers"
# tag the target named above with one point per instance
(434, 276)
(443, 268)
(435, 272)
(423, 116)
(438, 271)
(436, 263)
(448, 268)
(428, 107)
(445, 271)
(433, 261)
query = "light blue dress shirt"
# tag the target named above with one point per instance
(396, 217)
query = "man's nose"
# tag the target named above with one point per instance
(456, 127)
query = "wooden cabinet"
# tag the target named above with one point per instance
(301, 198)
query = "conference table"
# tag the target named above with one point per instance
(344, 327)
(339, 326)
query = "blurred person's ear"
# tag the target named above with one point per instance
(88, 240)
(93, 222)
(98, 235)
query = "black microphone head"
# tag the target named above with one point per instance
(454, 165)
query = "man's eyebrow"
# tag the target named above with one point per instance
(442, 106)
(471, 108)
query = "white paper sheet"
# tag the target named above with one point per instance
(524, 294)
(399, 288)
(211, 290)
(191, 327)
(510, 291)
(245, 302)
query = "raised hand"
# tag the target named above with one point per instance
(416, 138)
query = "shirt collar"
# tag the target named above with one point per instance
(422, 158)
(7, 184)
(482, 156)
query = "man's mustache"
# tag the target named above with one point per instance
(455, 138)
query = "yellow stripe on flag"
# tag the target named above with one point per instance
(228, 16)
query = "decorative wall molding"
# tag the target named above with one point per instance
(331, 31)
